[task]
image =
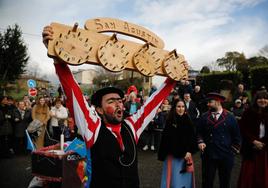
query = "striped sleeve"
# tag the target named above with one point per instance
(85, 116)
(138, 121)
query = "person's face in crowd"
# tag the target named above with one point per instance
(4, 101)
(27, 104)
(238, 104)
(262, 102)
(58, 104)
(111, 108)
(166, 102)
(187, 97)
(240, 87)
(26, 98)
(42, 101)
(47, 99)
(175, 97)
(10, 101)
(180, 108)
(213, 105)
(21, 105)
(132, 98)
(244, 99)
(183, 82)
(197, 89)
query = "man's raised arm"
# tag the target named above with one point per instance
(146, 113)
(85, 117)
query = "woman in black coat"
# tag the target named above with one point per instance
(254, 131)
(177, 145)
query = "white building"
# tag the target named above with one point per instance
(85, 77)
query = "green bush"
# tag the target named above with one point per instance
(215, 81)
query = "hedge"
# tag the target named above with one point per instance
(259, 77)
(215, 81)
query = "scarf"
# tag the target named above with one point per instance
(116, 131)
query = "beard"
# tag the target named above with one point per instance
(213, 109)
(112, 118)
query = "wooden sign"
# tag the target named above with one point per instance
(101, 25)
(78, 46)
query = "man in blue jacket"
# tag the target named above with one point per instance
(218, 140)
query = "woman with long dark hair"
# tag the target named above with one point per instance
(254, 131)
(177, 145)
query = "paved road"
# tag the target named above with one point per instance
(16, 172)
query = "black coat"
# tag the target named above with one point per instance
(192, 111)
(250, 127)
(178, 138)
(108, 161)
(20, 125)
(200, 101)
(6, 119)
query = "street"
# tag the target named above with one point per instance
(16, 171)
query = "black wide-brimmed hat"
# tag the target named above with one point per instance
(215, 96)
(97, 96)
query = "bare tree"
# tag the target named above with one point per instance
(264, 51)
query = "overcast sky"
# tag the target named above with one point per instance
(201, 30)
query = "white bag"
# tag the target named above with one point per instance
(35, 126)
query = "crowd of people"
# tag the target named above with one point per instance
(182, 124)
(189, 120)
(15, 117)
